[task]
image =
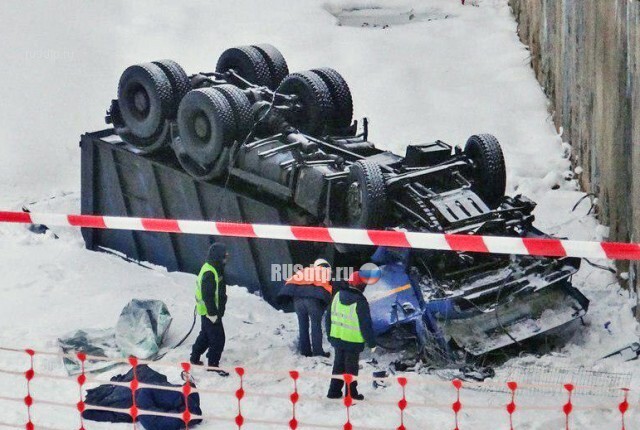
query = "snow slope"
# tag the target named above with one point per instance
(462, 73)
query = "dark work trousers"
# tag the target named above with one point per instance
(211, 338)
(310, 309)
(345, 361)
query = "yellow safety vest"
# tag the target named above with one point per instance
(201, 307)
(344, 322)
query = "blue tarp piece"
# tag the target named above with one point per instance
(150, 399)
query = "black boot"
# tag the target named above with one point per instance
(354, 392)
(196, 361)
(357, 396)
(335, 389)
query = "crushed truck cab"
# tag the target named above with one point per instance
(487, 312)
(251, 142)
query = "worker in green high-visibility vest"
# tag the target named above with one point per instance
(349, 328)
(211, 300)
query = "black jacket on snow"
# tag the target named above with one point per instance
(215, 257)
(349, 296)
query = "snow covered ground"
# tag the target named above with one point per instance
(462, 72)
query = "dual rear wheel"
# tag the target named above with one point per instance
(148, 96)
(262, 65)
(325, 102)
(209, 121)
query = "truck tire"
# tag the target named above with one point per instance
(366, 197)
(275, 60)
(342, 112)
(248, 62)
(147, 145)
(241, 108)
(315, 98)
(490, 177)
(180, 83)
(206, 125)
(144, 98)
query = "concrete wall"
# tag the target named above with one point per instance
(586, 55)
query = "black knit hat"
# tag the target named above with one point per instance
(217, 253)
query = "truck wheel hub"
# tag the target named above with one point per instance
(354, 201)
(141, 102)
(201, 126)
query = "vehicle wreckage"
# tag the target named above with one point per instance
(250, 142)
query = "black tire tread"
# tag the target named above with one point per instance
(161, 84)
(275, 60)
(224, 113)
(492, 178)
(240, 106)
(375, 188)
(341, 96)
(321, 95)
(251, 56)
(178, 78)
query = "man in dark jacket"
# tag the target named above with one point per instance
(211, 301)
(350, 328)
(310, 289)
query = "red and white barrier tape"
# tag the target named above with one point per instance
(395, 238)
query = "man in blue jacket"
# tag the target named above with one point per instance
(350, 328)
(211, 301)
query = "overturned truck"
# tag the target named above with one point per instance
(251, 142)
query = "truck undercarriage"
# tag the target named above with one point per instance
(252, 129)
